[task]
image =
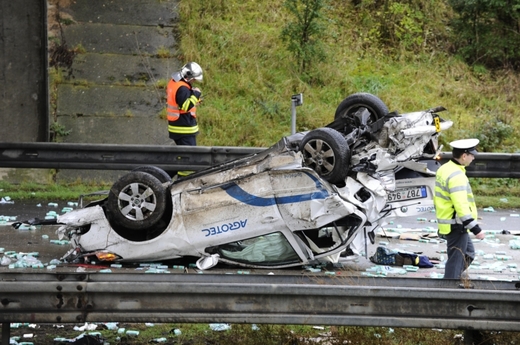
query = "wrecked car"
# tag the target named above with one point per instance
(301, 201)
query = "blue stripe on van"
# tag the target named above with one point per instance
(234, 191)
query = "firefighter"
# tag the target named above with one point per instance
(182, 99)
(455, 208)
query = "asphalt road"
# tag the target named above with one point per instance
(495, 257)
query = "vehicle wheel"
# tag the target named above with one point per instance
(326, 151)
(158, 173)
(352, 103)
(137, 201)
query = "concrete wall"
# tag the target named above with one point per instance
(23, 78)
(108, 63)
(109, 94)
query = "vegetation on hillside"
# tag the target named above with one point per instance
(407, 53)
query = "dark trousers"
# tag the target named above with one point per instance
(461, 252)
(188, 140)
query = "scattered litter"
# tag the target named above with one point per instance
(504, 200)
(489, 209)
(514, 215)
(86, 327)
(219, 327)
(435, 275)
(312, 269)
(514, 244)
(111, 325)
(177, 331)
(132, 333)
(6, 200)
(159, 340)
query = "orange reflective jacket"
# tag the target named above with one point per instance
(181, 117)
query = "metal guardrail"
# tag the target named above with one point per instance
(115, 157)
(172, 158)
(306, 300)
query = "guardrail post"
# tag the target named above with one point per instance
(6, 329)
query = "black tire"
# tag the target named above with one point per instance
(158, 173)
(137, 201)
(326, 151)
(350, 105)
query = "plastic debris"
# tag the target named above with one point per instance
(111, 325)
(6, 200)
(435, 275)
(86, 327)
(514, 244)
(132, 333)
(219, 327)
(159, 340)
(489, 209)
(177, 331)
(52, 204)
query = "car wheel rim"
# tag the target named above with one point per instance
(137, 201)
(319, 156)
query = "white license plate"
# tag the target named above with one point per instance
(407, 194)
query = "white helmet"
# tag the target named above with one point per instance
(190, 71)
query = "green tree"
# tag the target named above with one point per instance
(488, 32)
(304, 34)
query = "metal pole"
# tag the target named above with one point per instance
(297, 100)
(293, 116)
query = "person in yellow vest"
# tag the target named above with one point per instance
(455, 208)
(182, 100)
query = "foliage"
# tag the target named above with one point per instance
(58, 131)
(55, 191)
(304, 34)
(488, 32)
(402, 25)
(396, 50)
